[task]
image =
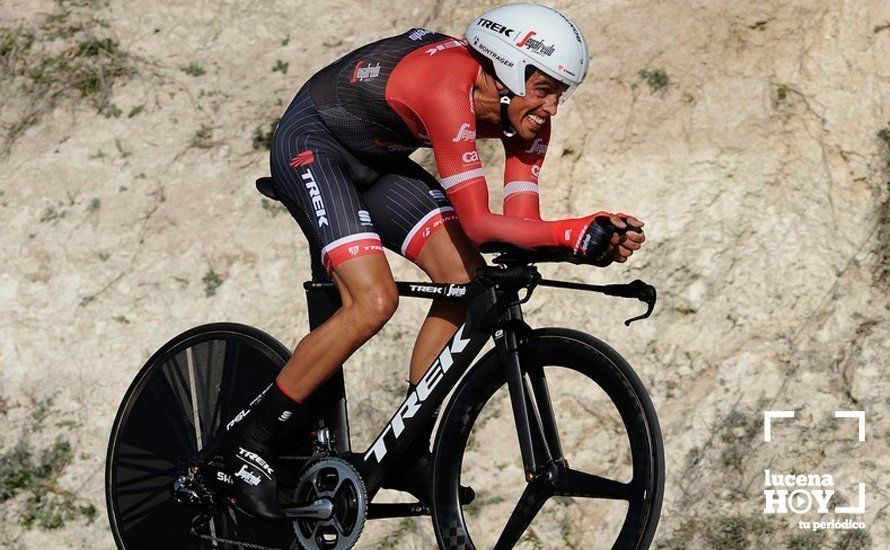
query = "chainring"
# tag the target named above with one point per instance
(331, 481)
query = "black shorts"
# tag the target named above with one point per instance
(348, 207)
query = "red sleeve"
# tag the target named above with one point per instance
(523, 164)
(440, 96)
(452, 131)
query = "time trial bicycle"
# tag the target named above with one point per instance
(167, 487)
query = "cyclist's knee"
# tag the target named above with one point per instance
(368, 292)
(381, 303)
(372, 308)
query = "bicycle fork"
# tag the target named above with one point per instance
(536, 428)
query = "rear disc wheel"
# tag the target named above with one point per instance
(178, 403)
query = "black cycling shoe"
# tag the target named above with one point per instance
(250, 453)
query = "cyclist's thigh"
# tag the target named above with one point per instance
(449, 256)
(314, 180)
(407, 206)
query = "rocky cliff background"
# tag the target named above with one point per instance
(752, 137)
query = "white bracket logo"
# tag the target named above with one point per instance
(767, 421)
(798, 492)
(859, 415)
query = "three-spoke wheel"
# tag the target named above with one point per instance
(597, 446)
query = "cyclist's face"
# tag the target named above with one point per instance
(528, 114)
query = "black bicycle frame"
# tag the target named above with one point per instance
(491, 312)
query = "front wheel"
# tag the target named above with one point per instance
(597, 446)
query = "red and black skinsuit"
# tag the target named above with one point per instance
(340, 155)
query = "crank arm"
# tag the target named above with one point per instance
(320, 509)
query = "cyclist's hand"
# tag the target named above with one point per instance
(596, 240)
(628, 238)
(610, 238)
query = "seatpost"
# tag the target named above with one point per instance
(507, 347)
(328, 403)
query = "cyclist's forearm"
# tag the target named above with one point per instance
(525, 204)
(481, 225)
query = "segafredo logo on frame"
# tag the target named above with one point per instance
(804, 493)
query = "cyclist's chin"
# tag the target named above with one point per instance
(526, 132)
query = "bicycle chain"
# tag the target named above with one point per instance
(236, 543)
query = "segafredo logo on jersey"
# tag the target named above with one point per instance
(363, 72)
(315, 196)
(464, 133)
(537, 148)
(496, 27)
(534, 45)
(420, 394)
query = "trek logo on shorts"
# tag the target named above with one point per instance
(315, 196)
(302, 159)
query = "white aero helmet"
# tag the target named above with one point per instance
(518, 35)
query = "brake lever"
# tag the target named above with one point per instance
(644, 293)
(634, 289)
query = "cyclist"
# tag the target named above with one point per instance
(340, 163)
